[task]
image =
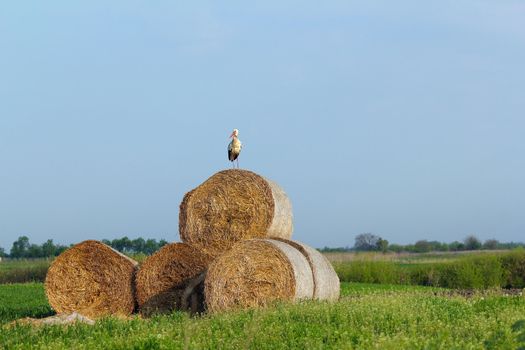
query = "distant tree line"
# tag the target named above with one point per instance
(135, 246)
(371, 242)
(22, 248)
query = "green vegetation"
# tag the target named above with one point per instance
(368, 242)
(367, 317)
(23, 300)
(135, 246)
(365, 242)
(29, 262)
(25, 270)
(23, 249)
(33, 270)
(476, 270)
(519, 328)
(472, 271)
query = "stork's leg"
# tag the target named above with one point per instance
(237, 163)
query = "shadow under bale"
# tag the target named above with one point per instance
(164, 278)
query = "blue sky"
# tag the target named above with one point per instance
(404, 119)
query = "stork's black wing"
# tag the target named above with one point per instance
(232, 156)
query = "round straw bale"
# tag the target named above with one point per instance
(92, 279)
(255, 273)
(233, 205)
(164, 276)
(326, 281)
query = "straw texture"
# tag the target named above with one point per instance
(233, 205)
(92, 279)
(255, 273)
(165, 275)
(326, 281)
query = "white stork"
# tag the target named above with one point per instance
(234, 148)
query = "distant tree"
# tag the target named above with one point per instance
(409, 248)
(61, 248)
(438, 246)
(397, 248)
(472, 243)
(422, 246)
(48, 248)
(511, 245)
(122, 244)
(491, 244)
(138, 245)
(135, 246)
(456, 246)
(34, 251)
(23, 249)
(127, 246)
(162, 243)
(2, 253)
(150, 246)
(382, 245)
(334, 250)
(366, 242)
(20, 248)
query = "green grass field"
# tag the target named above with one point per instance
(368, 316)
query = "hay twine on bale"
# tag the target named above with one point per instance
(233, 205)
(164, 276)
(255, 273)
(326, 281)
(92, 279)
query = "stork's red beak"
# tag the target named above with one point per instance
(233, 134)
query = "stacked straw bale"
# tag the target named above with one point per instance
(257, 272)
(233, 205)
(165, 276)
(92, 279)
(326, 281)
(237, 253)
